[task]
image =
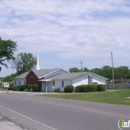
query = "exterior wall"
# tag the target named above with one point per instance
(99, 80)
(58, 84)
(80, 80)
(43, 87)
(84, 80)
(19, 82)
(49, 86)
(33, 79)
(55, 73)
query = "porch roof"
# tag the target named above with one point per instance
(47, 80)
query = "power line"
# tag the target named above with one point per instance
(59, 60)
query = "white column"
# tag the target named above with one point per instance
(46, 86)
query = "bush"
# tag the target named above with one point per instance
(90, 88)
(69, 89)
(15, 88)
(25, 90)
(22, 87)
(30, 87)
(80, 88)
(56, 89)
(35, 87)
(101, 87)
(10, 84)
(0, 84)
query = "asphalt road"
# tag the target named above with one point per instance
(42, 113)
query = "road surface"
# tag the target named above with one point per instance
(42, 113)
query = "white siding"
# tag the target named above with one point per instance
(67, 82)
(58, 84)
(43, 87)
(99, 80)
(19, 82)
(49, 86)
(84, 80)
(80, 80)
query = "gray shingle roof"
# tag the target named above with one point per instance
(70, 76)
(42, 72)
(38, 73)
(22, 76)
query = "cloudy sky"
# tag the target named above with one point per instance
(65, 32)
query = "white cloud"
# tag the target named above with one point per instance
(72, 29)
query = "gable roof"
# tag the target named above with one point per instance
(38, 73)
(42, 72)
(22, 76)
(70, 76)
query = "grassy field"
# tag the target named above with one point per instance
(111, 97)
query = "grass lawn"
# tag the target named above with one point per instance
(111, 96)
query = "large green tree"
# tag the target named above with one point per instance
(7, 49)
(24, 62)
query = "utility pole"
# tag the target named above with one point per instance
(112, 70)
(82, 71)
(81, 66)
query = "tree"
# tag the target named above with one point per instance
(86, 69)
(9, 78)
(24, 62)
(7, 49)
(74, 69)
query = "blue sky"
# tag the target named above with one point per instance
(65, 32)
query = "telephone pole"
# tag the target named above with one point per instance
(82, 71)
(112, 70)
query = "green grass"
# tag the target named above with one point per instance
(111, 97)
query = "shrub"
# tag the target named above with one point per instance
(30, 87)
(86, 88)
(91, 88)
(0, 84)
(25, 90)
(56, 89)
(10, 84)
(35, 87)
(69, 89)
(22, 87)
(80, 88)
(15, 88)
(101, 87)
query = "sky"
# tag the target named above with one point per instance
(66, 32)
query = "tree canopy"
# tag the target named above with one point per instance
(121, 72)
(24, 62)
(7, 49)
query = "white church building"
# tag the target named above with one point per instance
(48, 79)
